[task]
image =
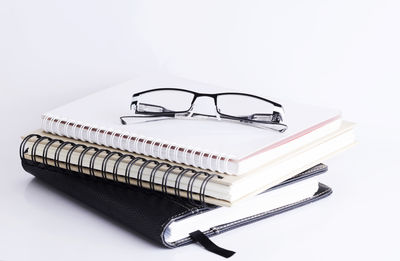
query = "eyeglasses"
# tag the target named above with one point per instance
(234, 106)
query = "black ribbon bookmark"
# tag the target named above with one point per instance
(203, 240)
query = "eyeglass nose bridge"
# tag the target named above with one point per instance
(192, 112)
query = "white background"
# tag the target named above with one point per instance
(342, 54)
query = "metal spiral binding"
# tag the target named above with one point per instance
(104, 165)
(147, 146)
(66, 125)
(192, 174)
(104, 137)
(81, 155)
(69, 155)
(46, 150)
(81, 132)
(89, 139)
(96, 136)
(112, 139)
(209, 160)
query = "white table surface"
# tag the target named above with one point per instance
(341, 54)
(359, 220)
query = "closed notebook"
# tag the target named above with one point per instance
(171, 221)
(223, 147)
(176, 179)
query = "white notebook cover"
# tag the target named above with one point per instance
(209, 144)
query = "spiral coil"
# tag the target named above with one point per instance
(135, 143)
(60, 146)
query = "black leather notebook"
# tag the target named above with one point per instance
(172, 221)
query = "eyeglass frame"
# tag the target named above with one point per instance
(275, 123)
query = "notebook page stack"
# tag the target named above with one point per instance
(178, 181)
(224, 162)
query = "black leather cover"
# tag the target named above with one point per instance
(144, 211)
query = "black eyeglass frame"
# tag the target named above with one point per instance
(276, 121)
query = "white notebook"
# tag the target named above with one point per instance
(225, 147)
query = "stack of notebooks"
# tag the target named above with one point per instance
(180, 181)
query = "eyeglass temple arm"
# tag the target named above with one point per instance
(272, 117)
(141, 108)
(147, 115)
(278, 126)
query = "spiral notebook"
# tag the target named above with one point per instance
(223, 147)
(176, 179)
